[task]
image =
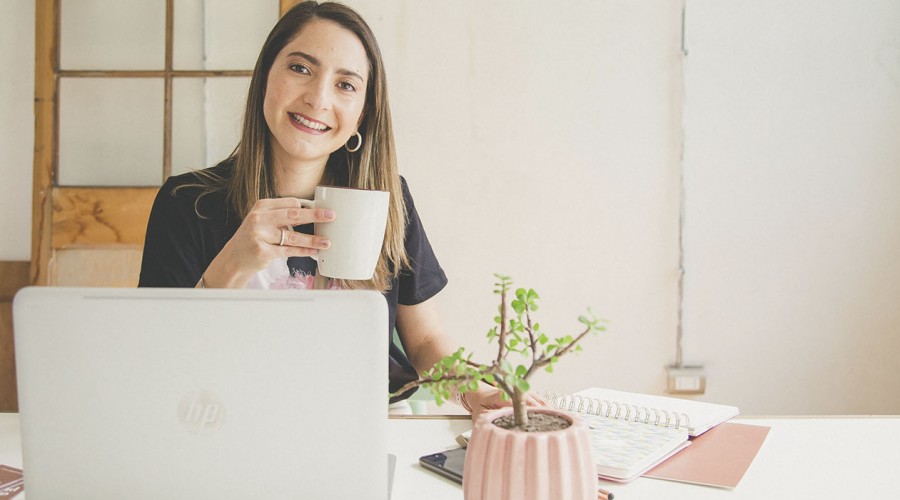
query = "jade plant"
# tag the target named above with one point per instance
(517, 333)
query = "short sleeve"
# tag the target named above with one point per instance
(172, 246)
(426, 277)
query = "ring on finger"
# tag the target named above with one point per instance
(281, 243)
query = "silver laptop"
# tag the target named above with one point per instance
(173, 393)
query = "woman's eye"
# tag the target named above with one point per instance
(347, 86)
(299, 68)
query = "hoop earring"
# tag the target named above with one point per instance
(358, 143)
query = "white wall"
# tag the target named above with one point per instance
(16, 128)
(544, 140)
(792, 176)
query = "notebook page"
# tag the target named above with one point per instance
(624, 450)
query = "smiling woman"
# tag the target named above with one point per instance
(314, 101)
(317, 114)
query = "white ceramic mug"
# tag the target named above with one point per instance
(356, 233)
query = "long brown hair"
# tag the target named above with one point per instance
(373, 166)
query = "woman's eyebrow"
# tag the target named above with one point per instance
(315, 62)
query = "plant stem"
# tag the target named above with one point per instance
(520, 410)
(531, 339)
(567, 348)
(544, 359)
(502, 338)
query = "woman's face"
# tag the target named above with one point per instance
(315, 93)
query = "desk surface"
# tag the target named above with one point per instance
(802, 457)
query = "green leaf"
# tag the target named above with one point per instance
(523, 385)
(518, 307)
(521, 370)
(549, 368)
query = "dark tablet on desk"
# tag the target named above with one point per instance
(446, 463)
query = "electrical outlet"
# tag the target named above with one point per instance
(686, 379)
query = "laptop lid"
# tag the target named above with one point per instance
(174, 393)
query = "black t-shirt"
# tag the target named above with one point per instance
(180, 245)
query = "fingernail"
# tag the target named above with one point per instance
(328, 214)
(324, 243)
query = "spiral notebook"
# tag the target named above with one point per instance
(631, 433)
(694, 416)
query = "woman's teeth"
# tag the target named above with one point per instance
(307, 123)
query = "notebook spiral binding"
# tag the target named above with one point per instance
(617, 410)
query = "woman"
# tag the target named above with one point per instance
(317, 113)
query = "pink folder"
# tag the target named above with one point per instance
(718, 457)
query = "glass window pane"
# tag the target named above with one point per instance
(207, 115)
(221, 34)
(188, 34)
(112, 34)
(188, 125)
(110, 131)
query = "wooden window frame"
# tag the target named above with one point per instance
(65, 217)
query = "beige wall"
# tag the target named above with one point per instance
(544, 140)
(792, 172)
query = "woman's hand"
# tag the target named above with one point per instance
(491, 398)
(266, 233)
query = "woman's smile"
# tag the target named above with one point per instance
(307, 124)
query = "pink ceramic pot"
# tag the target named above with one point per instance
(512, 465)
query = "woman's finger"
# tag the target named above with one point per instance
(289, 212)
(275, 203)
(294, 216)
(534, 400)
(290, 238)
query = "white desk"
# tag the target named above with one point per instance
(811, 457)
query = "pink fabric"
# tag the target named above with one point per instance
(278, 276)
(297, 281)
(512, 465)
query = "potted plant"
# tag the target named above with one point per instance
(525, 451)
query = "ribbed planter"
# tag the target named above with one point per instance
(505, 464)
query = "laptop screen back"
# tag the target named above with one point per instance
(172, 393)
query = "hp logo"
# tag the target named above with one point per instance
(201, 412)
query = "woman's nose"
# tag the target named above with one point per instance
(317, 94)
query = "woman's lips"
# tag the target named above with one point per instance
(309, 124)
